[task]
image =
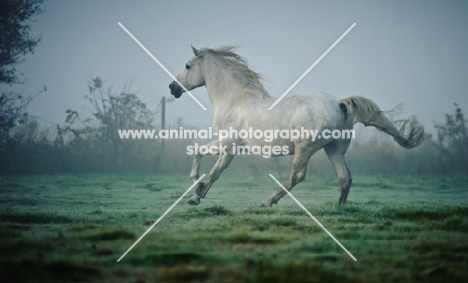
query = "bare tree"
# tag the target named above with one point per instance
(452, 142)
(16, 17)
(111, 111)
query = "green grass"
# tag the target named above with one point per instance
(74, 228)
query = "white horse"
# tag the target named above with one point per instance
(240, 101)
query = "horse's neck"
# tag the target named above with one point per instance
(225, 90)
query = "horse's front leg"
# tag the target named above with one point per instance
(202, 188)
(194, 175)
(223, 161)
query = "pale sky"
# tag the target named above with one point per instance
(410, 52)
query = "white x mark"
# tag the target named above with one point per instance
(162, 216)
(313, 217)
(311, 67)
(161, 65)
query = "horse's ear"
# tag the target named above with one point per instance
(196, 51)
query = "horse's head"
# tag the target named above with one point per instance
(191, 76)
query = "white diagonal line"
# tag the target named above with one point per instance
(160, 218)
(313, 218)
(311, 67)
(161, 65)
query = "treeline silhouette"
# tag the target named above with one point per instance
(92, 145)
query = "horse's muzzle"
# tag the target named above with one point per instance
(176, 90)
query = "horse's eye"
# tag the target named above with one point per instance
(187, 66)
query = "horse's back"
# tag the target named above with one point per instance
(319, 111)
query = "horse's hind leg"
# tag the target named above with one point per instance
(335, 152)
(343, 175)
(301, 157)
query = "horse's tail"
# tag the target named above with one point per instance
(408, 133)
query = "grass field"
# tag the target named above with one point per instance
(74, 228)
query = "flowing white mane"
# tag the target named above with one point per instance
(238, 64)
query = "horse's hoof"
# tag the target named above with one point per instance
(264, 205)
(193, 202)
